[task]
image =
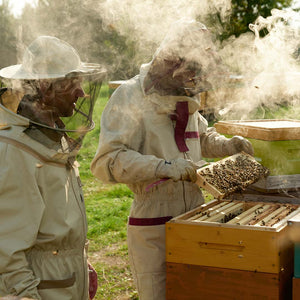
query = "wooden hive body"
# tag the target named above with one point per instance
(228, 261)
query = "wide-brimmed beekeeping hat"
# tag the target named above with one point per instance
(48, 57)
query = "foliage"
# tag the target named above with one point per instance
(8, 52)
(80, 23)
(84, 30)
(242, 14)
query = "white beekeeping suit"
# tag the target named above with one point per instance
(43, 223)
(151, 131)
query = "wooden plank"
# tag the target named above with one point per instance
(239, 213)
(270, 216)
(295, 220)
(205, 208)
(235, 248)
(215, 210)
(202, 182)
(278, 183)
(206, 213)
(224, 214)
(251, 195)
(268, 209)
(296, 288)
(267, 130)
(190, 282)
(238, 219)
(281, 216)
(288, 217)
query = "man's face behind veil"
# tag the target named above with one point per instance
(63, 96)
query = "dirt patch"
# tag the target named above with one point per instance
(109, 255)
(115, 280)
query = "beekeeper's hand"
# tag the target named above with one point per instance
(237, 144)
(177, 169)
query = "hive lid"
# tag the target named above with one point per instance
(116, 83)
(268, 130)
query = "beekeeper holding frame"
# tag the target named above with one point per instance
(151, 137)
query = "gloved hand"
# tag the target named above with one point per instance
(237, 144)
(177, 169)
(93, 281)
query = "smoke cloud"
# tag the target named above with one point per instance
(147, 22)
(269, 65)
(262, 68)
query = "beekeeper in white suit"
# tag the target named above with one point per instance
(151, 131)
(44, 115)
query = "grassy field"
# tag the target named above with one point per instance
(107, 211)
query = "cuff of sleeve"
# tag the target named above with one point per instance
(21, 283)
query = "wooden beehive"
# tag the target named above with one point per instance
(113, 85)
(231, 250)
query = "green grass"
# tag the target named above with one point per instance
(107, 208)
(107, 213)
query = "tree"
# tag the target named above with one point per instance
(8, 51)
(75, 22)
(243, 13)
(80, 23)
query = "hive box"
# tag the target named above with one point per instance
(294, 232)
(296, 288)
(211, 260)
(276, 143)
(113, 85)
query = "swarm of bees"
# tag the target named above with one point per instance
(233, 174)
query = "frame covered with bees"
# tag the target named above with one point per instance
(231, 174)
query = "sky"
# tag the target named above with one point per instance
(17, 5)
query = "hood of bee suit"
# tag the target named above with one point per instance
(188, 45)
(8, 108)
(167, 104)
(12, 127)
(48, 57)
(59, 90)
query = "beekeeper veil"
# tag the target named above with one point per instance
(185, 63)
(55, 89)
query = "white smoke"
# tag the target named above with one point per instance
(269, 64)
(147, 22)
